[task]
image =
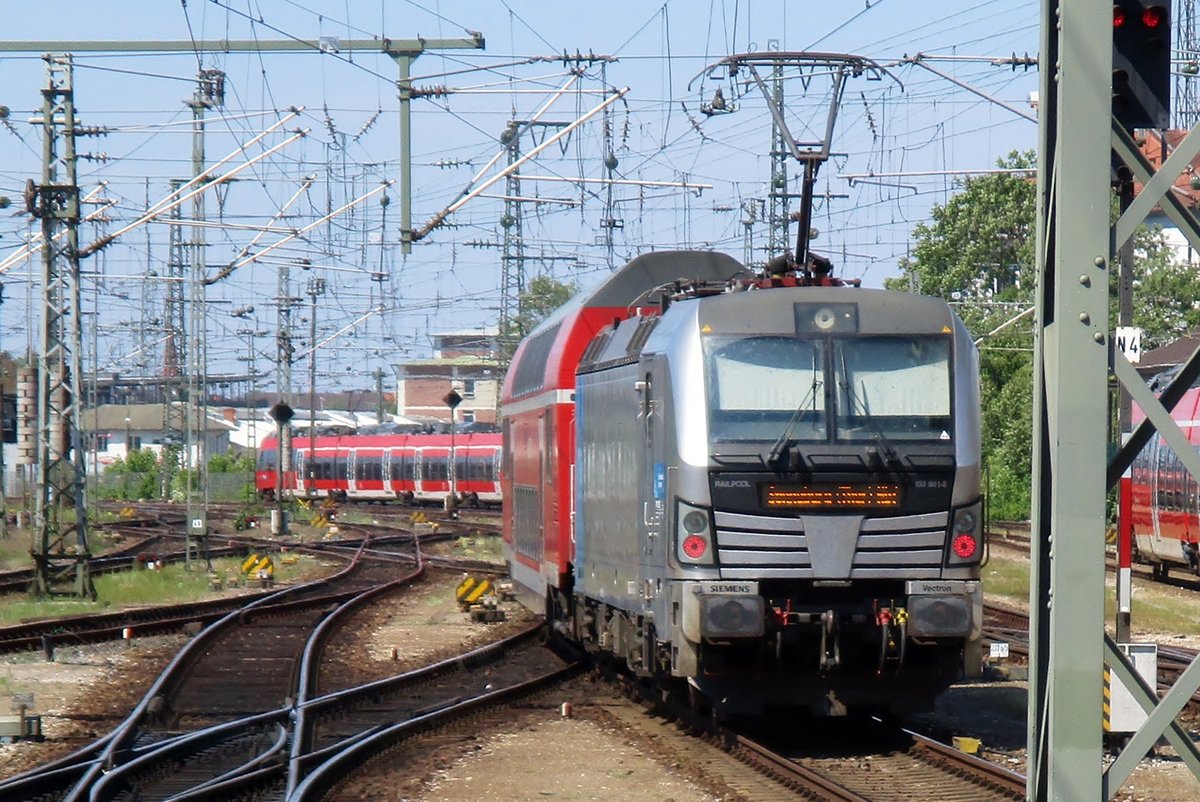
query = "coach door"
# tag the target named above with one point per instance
(301, 471)
(352, 470)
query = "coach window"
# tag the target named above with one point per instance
(1176, 481)
(1160, 486)
(1180, 478)
(437, 469)
(506, 438)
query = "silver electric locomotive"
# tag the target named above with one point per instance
(777, 497)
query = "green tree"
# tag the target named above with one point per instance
(228, 463)
(978, 253)
(541, 297)
(979, 245)
(1166, 292)
(133, 477)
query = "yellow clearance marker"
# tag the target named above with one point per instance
(477, 592)
(419, 517)
(258, 563)
(464, 588)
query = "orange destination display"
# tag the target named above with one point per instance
(831, 496)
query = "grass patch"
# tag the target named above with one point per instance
(479, 547)
(356, 517)
(171, 585)
(1156, 608)
(14, 549)
(1005, 579)
(1156, 611)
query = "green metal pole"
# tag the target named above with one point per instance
(1071, 404)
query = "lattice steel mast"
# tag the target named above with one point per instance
(209, 94)
(512, 256)
(1187, 103)
(61, 512)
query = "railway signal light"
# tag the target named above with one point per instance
(282, 413)
(1141, 78)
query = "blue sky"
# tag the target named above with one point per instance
(920, 125)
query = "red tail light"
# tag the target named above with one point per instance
(964, 546)
(694, 546)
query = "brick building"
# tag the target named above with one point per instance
(466, 362)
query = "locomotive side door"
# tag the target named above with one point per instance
(652, 387)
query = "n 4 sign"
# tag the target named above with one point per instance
(1129, 341)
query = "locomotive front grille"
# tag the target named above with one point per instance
(849, 546)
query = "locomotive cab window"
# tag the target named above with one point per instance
(756, 385)
(898, 387)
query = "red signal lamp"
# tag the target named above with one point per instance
(1153, 16)
(1119, 18)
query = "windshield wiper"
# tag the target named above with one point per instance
(785, 437)
(890, 455)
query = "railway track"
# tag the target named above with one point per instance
(328, 728)
(851, 760)
(1012, 627)
(249, 660)
(233, 703)
(912, 767)
(268, 754)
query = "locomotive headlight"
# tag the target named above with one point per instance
(695, 521)
(835, 318)
(693, 534)
(966, 535)
(732, 616)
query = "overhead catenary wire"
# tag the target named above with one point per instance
(868, 222)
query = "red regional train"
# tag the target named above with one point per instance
(1165, 500)
(411, 468)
